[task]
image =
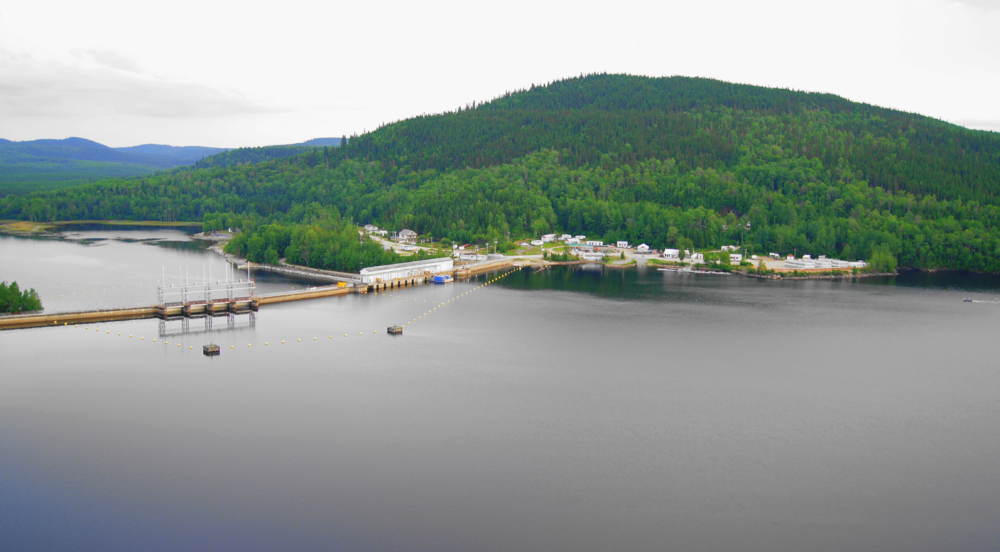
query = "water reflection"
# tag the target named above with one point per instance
(206, 324)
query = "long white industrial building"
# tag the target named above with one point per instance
(386, 273)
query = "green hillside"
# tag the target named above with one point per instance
(667, 161)
(243, 156)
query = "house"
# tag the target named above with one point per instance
(735, 258)
(697, 258)
(406, 236)
(580, 237)
(536, 243)
(548, 238)
(594, 242)
(642, 248)
(729, 248)
(565, 237)
(572, 241)
(673, 254)
(621, 244)
(371, 228)
(592, 256)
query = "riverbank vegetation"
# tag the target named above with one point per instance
(324, 240)
(15, 300)
(686, 163)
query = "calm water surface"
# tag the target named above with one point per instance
(564, 410)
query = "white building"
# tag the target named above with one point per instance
(572, 241)
(672, 254)
(386, 273)
(537, 242)
(548, 238)
(729, 248)
(407, 236)
(621, 244)
(697, 258)
(642, 248)
(370, 228)
(735, 258)
(592, 256)
(565, 237)
(595, 243)
(580, 237)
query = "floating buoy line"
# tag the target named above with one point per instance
(284, 341)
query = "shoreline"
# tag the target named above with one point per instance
(30, 228)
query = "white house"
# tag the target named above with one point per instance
(673, 254)
(537, 242)
(565, 237)
(697, 258)
(548, 238)
(572, 241)
(735, 258)
(407, 236)
(729, 248)
(370, 228)
(594, 242)
(385, 273)
(621, 244)
(642, 248)
(592, 256)
(580, 237)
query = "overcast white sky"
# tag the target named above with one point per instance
(254, 73)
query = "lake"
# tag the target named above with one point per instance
(569, 409)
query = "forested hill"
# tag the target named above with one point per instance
(618, 119)
(666, 161)
(243, 156)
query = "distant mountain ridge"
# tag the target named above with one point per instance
(34, 165)
(82, 149)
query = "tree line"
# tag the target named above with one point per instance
(14, 300)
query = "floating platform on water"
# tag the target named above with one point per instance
(394, 330)
(211, 350)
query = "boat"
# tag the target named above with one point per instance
(967, 300)
(442, 279)
(394, 330)
(211, 350)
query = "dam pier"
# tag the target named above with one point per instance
(233, 297)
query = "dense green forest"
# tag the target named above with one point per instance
(321, 240)
(13, 300)
(669, 161)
